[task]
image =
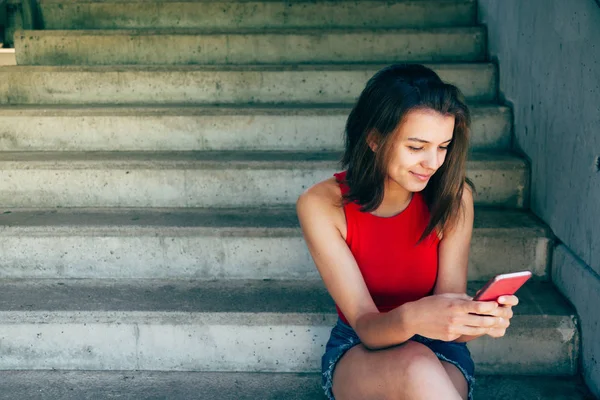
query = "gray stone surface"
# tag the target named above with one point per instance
(581, 285)
(256, 14)
(305, 84)
(206, 179)
(70, 385)
(218, 243)
(254, 326)
(549, 61)
(7, 57)
(188, 128)
(190, 46)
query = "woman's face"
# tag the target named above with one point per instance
(419, 148)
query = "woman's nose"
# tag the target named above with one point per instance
(433, 160)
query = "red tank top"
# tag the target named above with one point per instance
(395, 269)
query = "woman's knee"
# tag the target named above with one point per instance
(390, 373)
(414, 361)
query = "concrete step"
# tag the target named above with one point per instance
(206, 179)
(171, 128)
(94, 385)
(193, 46)
(252, 326)
(215, 84)
(102, 14)
(208, 244)
(7, 57)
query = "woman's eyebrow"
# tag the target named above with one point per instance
(425, 141)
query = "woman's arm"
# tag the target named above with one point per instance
(321, 220)
(452, 268)
(439, 317)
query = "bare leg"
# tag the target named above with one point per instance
(407, 372)
(458, 379)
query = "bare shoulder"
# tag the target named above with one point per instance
(467, 196)
(327, 191)
(322, 200)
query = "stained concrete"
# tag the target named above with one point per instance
(190, 46)
(582, 286)
(222, 84)
(549, 62)
(204, 244)
(138, 385)
(207, 179)
(278, 326)
(258, 15)
(188, 128)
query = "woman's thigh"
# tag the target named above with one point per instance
(458, 379)
(409, 371)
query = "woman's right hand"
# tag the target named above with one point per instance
(448, 316)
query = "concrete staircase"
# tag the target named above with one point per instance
(150, 155)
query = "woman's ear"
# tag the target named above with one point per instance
(373, 140)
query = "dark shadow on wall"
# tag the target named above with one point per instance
(3, 14)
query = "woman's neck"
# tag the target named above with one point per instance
(395, 200)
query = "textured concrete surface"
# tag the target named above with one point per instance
(581, 285)
(549, 62)
(215, 84)
(218, 243)
(71, 385)
(232, 326)
(205, 179)
(189, 128)
(256, 14)
(7, 57)
(186, 47)
(549, 59)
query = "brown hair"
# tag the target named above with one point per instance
(387, 99)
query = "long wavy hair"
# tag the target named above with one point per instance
(388, 97)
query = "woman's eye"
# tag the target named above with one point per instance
(443, 148)
(415, 148)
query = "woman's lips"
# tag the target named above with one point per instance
(421, 177)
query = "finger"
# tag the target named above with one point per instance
(482, 321)
(473, 330)
(505, 312)
(481, 307)
(496, 332)
(508, 300)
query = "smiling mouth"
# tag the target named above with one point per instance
(421, 177)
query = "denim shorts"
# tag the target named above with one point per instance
(343, 338)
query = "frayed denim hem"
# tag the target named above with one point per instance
(343, 338)
(470, 379)
(327, 374)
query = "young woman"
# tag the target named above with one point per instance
(390, 237)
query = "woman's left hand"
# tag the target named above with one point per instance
(505, 312)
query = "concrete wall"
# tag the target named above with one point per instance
(548, 52)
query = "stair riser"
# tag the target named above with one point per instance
(22, 85)
(246, 342)
(256, 15)
(156, 254)
(104, 48)
(307, 131)
(7, 58)
(122, 186)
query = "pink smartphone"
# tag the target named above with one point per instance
(503, 284)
